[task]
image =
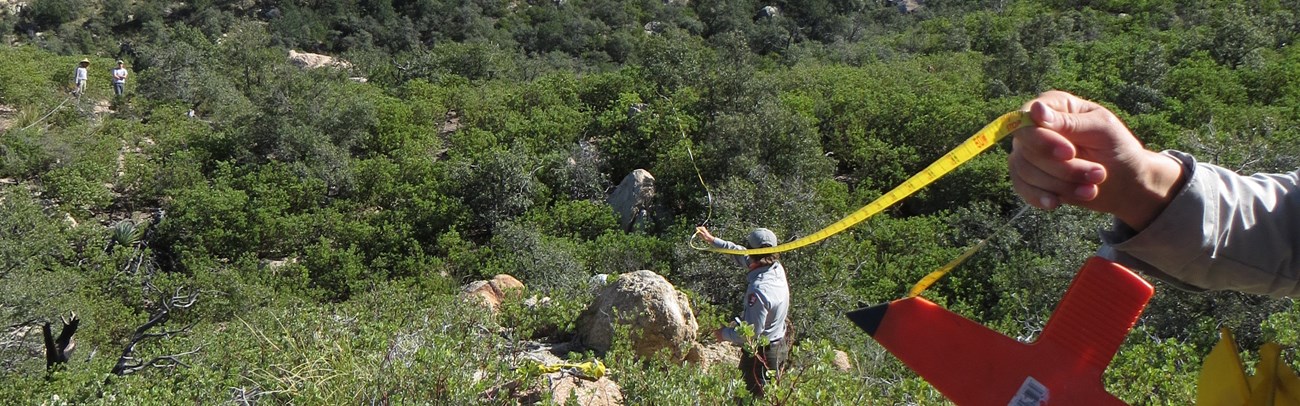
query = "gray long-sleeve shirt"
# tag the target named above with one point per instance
(767, 298)
(1221, 231)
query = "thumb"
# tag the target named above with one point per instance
(1073, 124)
(1046, 117)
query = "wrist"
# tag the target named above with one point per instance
(1159, 179)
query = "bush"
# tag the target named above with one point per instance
(49, 14)
(550, 265)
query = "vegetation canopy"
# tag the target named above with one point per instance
(243, 227)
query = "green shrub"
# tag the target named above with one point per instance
(25, 153)
(80, 194)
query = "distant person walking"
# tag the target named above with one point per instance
(119, 79)
(79, 78)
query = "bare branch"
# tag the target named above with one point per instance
(31, 322)
(162, 361)
(182, 301)
(127, 363)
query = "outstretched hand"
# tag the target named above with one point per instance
(1080, 153)
(704, 234)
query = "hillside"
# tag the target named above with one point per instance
(249, 229)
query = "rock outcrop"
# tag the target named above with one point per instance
(660, 317)
(307, 60)
(706, 356)
(632, 198)
(491, 293)
(602, 392)
(907, 6)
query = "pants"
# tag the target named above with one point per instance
(79, 88)
(118, 88)
(754, 367)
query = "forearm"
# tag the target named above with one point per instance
(742, 260)
(729, 334)
(755, 315)
(1221, 230)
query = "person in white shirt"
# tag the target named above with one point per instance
(767, 304)
(119, 78)
(79, 78)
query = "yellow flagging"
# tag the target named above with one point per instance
(1223, 379)
(591, 370)
(981, 141)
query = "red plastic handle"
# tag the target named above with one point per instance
(974, 365)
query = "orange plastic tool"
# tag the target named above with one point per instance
(973, 365)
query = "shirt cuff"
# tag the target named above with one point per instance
(729, 334)
(1174, 238)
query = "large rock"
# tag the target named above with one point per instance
(481, 292)
(308, 60)
(659, 315)
(908, 6)
(508, 285)
(706, 356)
(655, 27)
(491, 293)
(632, 198)
(841, 361)
(602, 392)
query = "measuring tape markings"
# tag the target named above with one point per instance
(981, 141)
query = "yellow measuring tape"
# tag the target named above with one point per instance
(933, 277)
(982, 140)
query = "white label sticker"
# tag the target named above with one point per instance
(1031, 393)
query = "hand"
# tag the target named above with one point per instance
(1080, 153)
(704, 234)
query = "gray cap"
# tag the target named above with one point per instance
(761, 237)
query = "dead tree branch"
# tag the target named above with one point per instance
(128, 363)
(59, 350)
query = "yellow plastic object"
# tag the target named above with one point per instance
(591, 370)
(1223, 379)
(982, 140)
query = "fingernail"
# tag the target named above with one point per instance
(1047, 202)
(1096, 175)
(1049, 116)
(1084, 192)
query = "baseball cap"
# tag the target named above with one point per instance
(761, 237)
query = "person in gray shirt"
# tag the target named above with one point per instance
(1195, 225)
(766, 307)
